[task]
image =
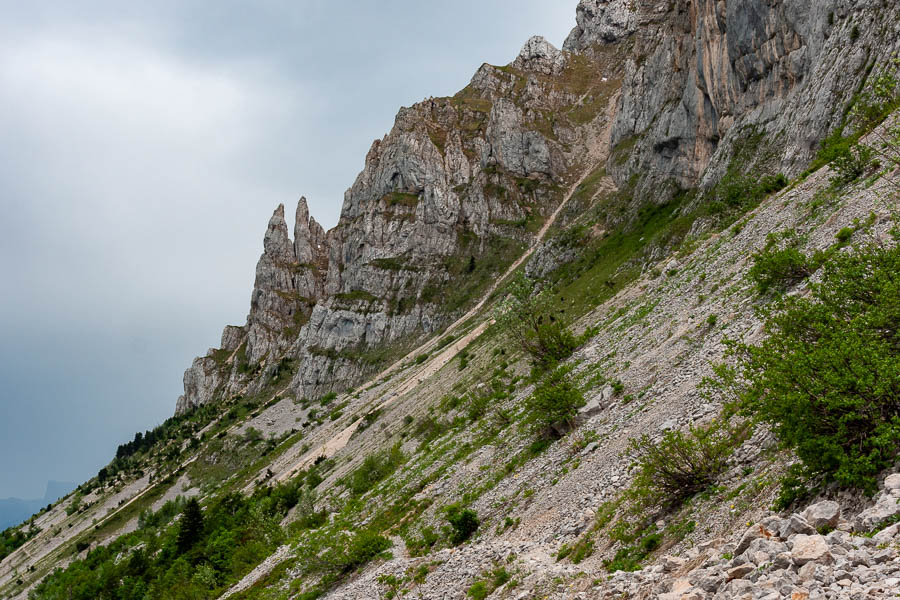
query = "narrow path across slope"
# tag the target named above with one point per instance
(541, 234)
(431, 366)
(434, 364)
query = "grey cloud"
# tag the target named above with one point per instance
(143, 146)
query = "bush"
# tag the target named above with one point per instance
(429, 429)
(845, 235)
(424, 544)
(375, 468)
(681, 464)
(364, 547)
(738, 192)
(485, 587)
(555, 403)
(827, 378)
(464, 523)
(850, 162)
(528, 316)
(779, 269)
(478, 590)
(252, 435)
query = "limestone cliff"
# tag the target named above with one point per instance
(706, 75)
(660, 95)
(453, 194)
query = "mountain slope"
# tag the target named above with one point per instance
(655, 154)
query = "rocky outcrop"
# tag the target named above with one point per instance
(773, 560)
(444, 202)
(601, 22)
(289, 281)
(540, 56)
(708, 78)
(201, 382)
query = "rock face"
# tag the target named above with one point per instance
(660, 95)
(708, 76)
(601, 22)
(290, 279)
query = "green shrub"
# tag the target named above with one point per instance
(629, 558)
(364, 547)
(578, 551)
(477, 405)
(429, 429)
(555, 403)
(850, 161)
(478, 590)
(827, 378)
(313, 479)
(374, 469)
(681, 464)
(779, 269)
(464, 523)
(500, 577)
(485, 587)
(252, 435)
(75, 505)
(463, 359)
(529, 317)
(844, 235)
(422, 545)
(740, 192)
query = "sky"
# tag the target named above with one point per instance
(143, 147)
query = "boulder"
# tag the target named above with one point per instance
(739, 572)
(823, 515)
(886, 507)
(794, 525)
(892, 482)
(757, 531)
(810, 549)
(887, 535)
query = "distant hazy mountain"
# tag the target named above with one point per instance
(15, 510)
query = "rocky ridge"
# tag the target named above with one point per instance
(456, 190)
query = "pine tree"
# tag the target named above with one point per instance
(190, 527)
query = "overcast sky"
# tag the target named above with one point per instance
(143, 146)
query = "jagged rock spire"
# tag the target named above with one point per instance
(310, 253)
(309, 237)
(289, 280)
(276, 243)
(272, 303)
